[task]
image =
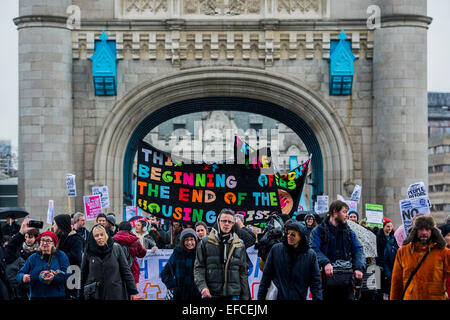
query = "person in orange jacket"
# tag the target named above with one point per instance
(429, 281)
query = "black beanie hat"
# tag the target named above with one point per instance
(64, 222)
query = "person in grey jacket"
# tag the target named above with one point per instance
(292, 266)
(220, 270)
(105, 269)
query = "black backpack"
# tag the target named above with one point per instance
(271, 235)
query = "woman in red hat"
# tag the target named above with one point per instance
(45, 270)
(386, 249)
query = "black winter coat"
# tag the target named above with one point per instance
(72, 246)
(178, 274)
(110, 270)
(292, 270)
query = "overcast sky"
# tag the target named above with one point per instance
(438, 61)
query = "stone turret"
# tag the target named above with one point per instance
(45, 105)
(400, 102)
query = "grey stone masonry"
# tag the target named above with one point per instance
(400, 104)
(45, 106)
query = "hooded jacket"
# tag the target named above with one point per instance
(292, 270)
(108, 267)
(222, 279)
(128, 239)
(178, 273)
(332, 243)
(429, 281)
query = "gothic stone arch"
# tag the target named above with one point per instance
(234, 82)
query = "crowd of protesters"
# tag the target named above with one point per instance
(322, 258)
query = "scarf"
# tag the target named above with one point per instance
(94, 249)
(30, 249)
(225, 240)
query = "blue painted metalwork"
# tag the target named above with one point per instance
(298, 125)
(341, 66)
(104, 71)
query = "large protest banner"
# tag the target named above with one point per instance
(188, 193)
(150, 286)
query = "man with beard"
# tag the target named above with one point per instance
(292, 266)
(424, 251)
(220, 270)
(338, 248)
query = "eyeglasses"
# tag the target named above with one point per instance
(227, 221)
(46, 241)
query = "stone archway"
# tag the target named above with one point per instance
(233, 82)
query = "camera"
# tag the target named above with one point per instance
(36, 224)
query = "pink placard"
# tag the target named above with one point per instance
(92, 207)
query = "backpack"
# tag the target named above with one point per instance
(271, 235)
(127, 253)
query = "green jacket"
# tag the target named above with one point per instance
(222, 280)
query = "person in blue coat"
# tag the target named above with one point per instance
(45, 271)
(292, 266)
(178, 273)
(335, 243)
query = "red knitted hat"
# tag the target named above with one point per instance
(386, 220)
(49, 234)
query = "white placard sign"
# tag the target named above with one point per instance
(322, 204)
(356, 195)
(71, 186)
(104, 196)
(409, 208)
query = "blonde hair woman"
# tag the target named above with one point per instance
(105, 274)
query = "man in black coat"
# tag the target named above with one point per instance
(292, 266)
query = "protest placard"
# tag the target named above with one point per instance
(352, 205)
(409, 208)
(103, 193)
(356, 194)
(322, 204)
(374, 215)
(130, 212)
(71, 186)
(92, 206)
(417, 190)
(50, 212)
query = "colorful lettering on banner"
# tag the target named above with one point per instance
(150, 286)
(256, 159)
(189, 193)
(290, 185)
